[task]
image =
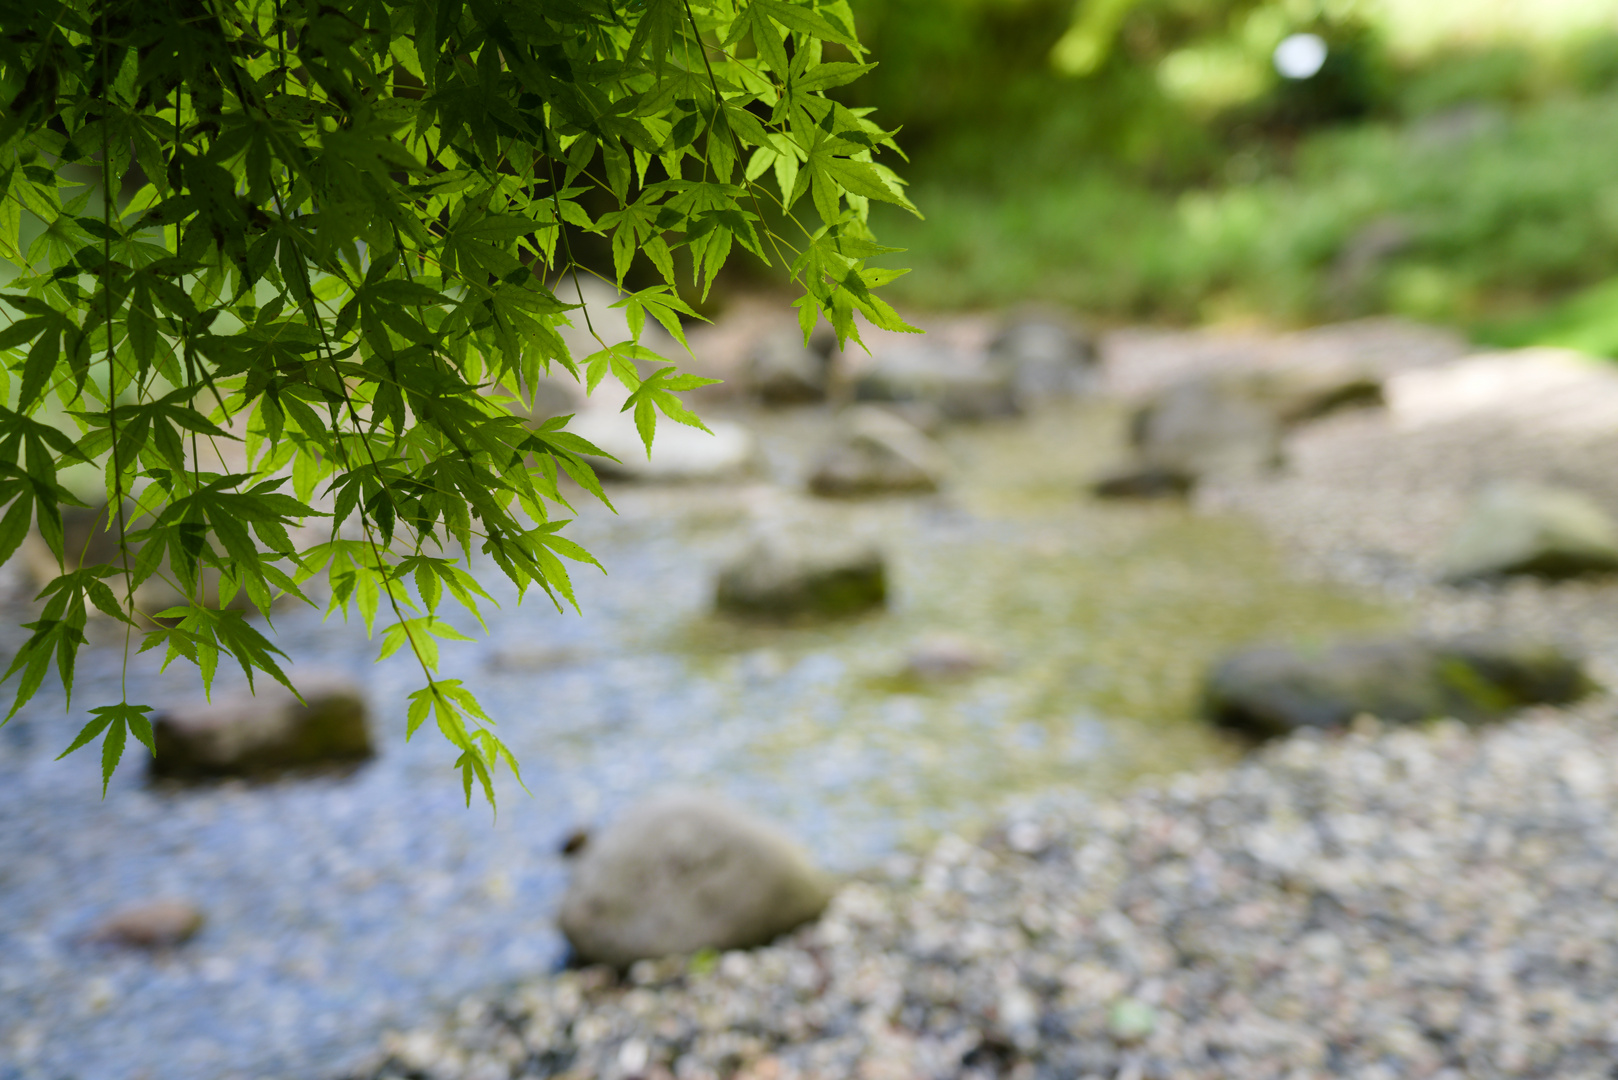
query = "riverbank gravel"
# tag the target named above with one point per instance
(1402, 903)
(1432, 902)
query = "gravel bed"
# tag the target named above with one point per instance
(1407, 903)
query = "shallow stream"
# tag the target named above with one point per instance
(340, 906)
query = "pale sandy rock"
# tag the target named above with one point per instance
(1547, 389)
(948, 656)
(1517, 528)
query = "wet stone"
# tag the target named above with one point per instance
(1274, 690)
(263, 734)
(782, 370)
(1144, 482)
(961, 385)
(787, 573)
(878, 452)
(157, 924)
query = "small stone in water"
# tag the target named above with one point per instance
(946, 656)
(159, 924)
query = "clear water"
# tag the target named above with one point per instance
(339, 906)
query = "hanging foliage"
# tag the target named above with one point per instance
(331, 233)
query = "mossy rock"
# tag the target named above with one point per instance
(1273, 690)
(265, 734)
(784, 576)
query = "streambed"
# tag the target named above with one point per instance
(341, 905)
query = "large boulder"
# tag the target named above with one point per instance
(961, 385)
(878, 452)
(683, 872)
(1527, 529)
(1208, 426)
(782, 370)
(1229, 424)
(263, 734)
(1273, 690)
(803, 572)
(679, 453)
(1050, 355)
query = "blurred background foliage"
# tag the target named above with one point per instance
(1144, 159)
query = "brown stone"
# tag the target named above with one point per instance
(158, 924)
(255, 735)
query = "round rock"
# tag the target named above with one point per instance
(1208, 426)
(683, 872)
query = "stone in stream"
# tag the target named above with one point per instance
(683, 872)
(1272, 690)
(960, 385)
(263, 734)
(1228, 425)
(1051, 355)
(787, 573)
(1208, 426)
(947, 656)
(1526, 529)
(157, 924)
(878, 452)
(1201, 426)
(1298, 393)
(781, 370)
(1144, 482)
